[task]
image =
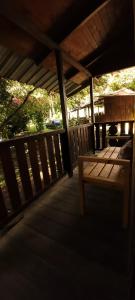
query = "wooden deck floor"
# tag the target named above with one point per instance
(53, 253)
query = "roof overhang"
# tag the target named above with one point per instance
(95, 37)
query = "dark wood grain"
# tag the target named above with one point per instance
(58, 155)
(103, 136)
(3, 210)
(130, 128)
(51, 158)
(122, 128)
(44, 162)
(32, 146)
(76, 143)
(97, 136)
(10, 176)
(23, 169)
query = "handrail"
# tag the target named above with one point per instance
(80, 126)
(114, 122)
(31, 137)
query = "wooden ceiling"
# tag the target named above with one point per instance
(99, 35)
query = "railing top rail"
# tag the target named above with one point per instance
(30, 137)
(116, 122)
(80, 126)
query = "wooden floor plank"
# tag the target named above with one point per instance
(53, 253)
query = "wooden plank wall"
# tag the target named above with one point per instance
(131, 246)
(117, 108)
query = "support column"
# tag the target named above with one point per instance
(92, 112)
(91, 100)
(65, 139)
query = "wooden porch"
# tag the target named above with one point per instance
(56, 254)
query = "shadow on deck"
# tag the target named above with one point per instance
(53, 253)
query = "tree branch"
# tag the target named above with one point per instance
(6, 121)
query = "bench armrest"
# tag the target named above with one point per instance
(96, 159)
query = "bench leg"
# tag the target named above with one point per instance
(125, 206)
(82, 198)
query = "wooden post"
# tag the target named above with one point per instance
(92, 111)
(103, 136)
(122, 129)
(97, 136)
(66, 146)
(91, 100)
(131, 246)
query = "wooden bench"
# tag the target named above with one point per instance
(108, 171)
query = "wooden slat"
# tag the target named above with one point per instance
(122, 129)
(87, 137)
(114, 172)
(71, 145)
(109, 153)
(44, 163)
(10, 176)
(88, 168)
(97, 170)
(106, 170)
(130, 128)
(51, 157)
(34, 164)
(3, 210)
(57, 154)
(80, 141)
(23, 169)
(76, 143)
(85, 140)
(105, 151)
(103, 135)
(97, 137)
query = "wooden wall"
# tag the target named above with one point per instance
(118, 108)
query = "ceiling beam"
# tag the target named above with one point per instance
(38, 35)
(78, 89)
(134, 22)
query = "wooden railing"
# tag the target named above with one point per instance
(101, 132)
(28, 166)
(81, 141)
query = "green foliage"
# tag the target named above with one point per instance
(38, 108)
(42, 107)
(104, 85)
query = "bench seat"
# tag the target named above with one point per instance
(105, 169)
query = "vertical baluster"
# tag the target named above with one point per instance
(34, 164)
(51, 157)
(10, 176)
(103, 136)
(57, 154)
(122, 131)
(23, 169)
(97, 136)
(44, 162)
(130, 132)
(76, 143)
(3, 210)
(71, 145)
